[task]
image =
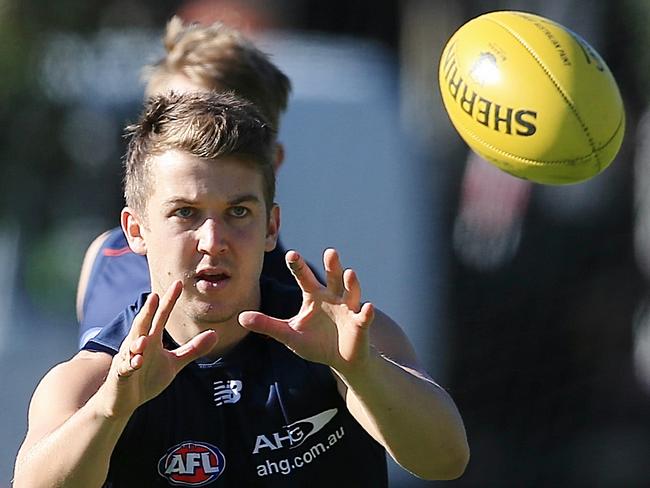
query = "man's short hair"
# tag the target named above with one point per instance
(218, 57)
(207, 125)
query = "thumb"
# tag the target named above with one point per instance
(199, 345)
(263, 324)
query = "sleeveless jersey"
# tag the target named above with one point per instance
(118, 276)
(260, 416)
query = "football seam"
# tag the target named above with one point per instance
(543, 162)
(558, 87)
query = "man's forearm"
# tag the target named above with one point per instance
(76, 454)
(415, 419)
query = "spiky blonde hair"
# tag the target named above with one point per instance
(218, 57)
(207, 125)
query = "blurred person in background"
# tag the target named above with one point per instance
(136, 406)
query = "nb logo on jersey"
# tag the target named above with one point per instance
(228, 391)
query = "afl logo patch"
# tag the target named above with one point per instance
(192, 464)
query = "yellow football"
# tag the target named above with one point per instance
(532, 97)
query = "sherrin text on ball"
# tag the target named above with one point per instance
(532, 97)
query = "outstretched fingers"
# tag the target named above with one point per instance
(366, 314)
(136, 351)
(131, 355)
(167, 303)
(146, 329)
(302, 272)
(129, 362)
(263, 324)
(352, 293)
(142, 322)
(333, 271)
(200, 345)
(131, 352)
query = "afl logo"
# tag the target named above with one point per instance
(192, 464)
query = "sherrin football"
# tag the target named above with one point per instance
(532, 97)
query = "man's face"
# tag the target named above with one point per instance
(207, 225)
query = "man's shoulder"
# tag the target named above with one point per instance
(115, 240)
(68, 385)
(110, 337)
(114, 245)
(77, 364)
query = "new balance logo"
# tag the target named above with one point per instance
(228, 391)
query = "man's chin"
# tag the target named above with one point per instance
(207, 313)
(206, 309)
(214, 317)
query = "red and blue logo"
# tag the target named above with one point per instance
(192, 464)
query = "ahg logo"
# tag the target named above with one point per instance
(228, 391)
(295, 433)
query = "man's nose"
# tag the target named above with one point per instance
(212, 237)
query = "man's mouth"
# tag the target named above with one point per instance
(211, 279)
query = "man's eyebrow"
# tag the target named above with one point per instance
(247, 198)
(235, 200)
(170, 202)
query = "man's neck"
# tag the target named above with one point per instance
(230, 333)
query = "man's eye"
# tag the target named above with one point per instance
(238, 212)
(184, 213)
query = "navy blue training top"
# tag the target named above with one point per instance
(260, 416)
(118, 276)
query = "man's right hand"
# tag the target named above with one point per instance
(72, 435)
(143, 368)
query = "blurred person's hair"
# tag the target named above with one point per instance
(208, 125)
(218, 57)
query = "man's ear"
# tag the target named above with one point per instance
(132, 228)
(272, 228)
